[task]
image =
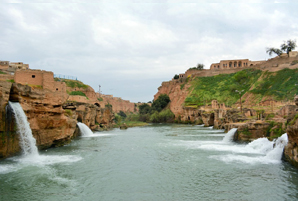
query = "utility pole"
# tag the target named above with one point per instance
(240, 98)
(99, 89)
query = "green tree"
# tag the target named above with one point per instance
(144, 108)
(288, 46)
(200, 66)
(176, 77)
(273, 50)
(160, 103)
(122, 114)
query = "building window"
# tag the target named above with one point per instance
(56, 89)
(33, 76)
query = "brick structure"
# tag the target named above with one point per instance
(13, 66)
(231, 64)
(42, 78)
(4, 65)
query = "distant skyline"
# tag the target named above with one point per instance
(130, 47)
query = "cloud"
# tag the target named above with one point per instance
(129, 47)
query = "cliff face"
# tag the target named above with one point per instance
(9, 141)
(52, 119)
(43, 108)
(177, 90)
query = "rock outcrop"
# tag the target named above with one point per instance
(53, 119)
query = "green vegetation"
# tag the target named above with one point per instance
(68, 112)
(130, 120)
(286, 47)
(198, 67)
(73, 83)
(246, 132)
(79, 93)
(12, 80)
(294, 62)
(165, 116)
(275, 128)
(280, 85)
(220, 87)
(176, 77)
(100, 99)
(156, 113)
(108, 105)
(292, 122)
(2, 72)
(160, 103)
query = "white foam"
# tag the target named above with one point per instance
(85, 130)
(98, 135)
(229, 136)
(47, 159)
(27, 141)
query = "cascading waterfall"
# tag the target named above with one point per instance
(27, 141)
(229, 136)
(85, 130)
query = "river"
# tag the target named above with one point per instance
(157, 162)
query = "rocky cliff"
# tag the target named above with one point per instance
(267, 101)
(52, 118)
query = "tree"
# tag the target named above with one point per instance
(122, 114)
(200, 66)
(160, 103)
(288, 46)
(176, 77)
(273, 50)
(144, 108)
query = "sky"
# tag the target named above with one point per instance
(130, 47)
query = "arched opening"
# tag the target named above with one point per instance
(97, 104)
(230, 64)
(235, 64)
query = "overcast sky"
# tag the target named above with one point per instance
(130, 47)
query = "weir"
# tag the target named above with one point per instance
(230, 135)
(27, 141)
(85, 130)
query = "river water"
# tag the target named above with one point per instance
(157, 162)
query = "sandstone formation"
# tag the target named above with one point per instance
(53, 119)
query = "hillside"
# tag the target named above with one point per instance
(258, 87)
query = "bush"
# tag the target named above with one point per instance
(176, 77)
(144, 108)
(73, 83)
(122, 114)
(79, 93)
(165, 116)
(160, 103)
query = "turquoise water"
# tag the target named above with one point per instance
(157, 162)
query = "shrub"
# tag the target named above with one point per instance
(176, 77)
(160, 103)
(73, 83)
(79, 93)
(122, 114)
(68, 112)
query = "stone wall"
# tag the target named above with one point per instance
(44, 79)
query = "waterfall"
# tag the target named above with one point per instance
(27, 141)
(229, 136)
(85, 130)
(279, 145)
